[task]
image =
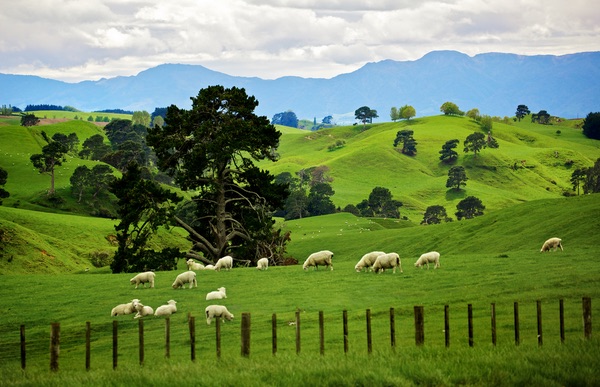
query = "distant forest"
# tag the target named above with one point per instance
(31, 108)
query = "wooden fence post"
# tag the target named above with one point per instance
(23, 353)
(321, 333)
(192, 328)
(297, 331)
(345, 326)
(517, 336)
(493, 313)
(447, 325)
(470, 320)
(54, 346)
(369, 339)
(419, 325)
(115, 343)
(88, 334)
(218, 337)
(168, 337)
(246, 329)
(141, 340)
(393, 329)
(274, 332)
(539, 322)
(561, 314)
(587, 318)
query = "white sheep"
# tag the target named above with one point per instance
(142, 310)
(319, 258)
(209, 267)
(218, 294)
(189, 277)
(367, 260)
(217, 311)
(262, 264)
(122, 309)
(224, 263)
(166, 310)
(387, 261)
(552, 243)
(193, 265)
(427, 258)
(143, 278)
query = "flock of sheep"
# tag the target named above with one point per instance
(376, 261)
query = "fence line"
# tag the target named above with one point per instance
(419, 322)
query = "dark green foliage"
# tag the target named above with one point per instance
(287, 118)
(365, 115)
(542, 117)
(474, 142)
(3, 177)
(409, 145)
(592, 178)
(522, 111)
(457, 177)
(578, 177)
(591, 126)
(319, 200)
(435, 215)
(94, 148)
(52, 156)
(380, 204)
(448, 154)
(469, 208)
(71, 142)
(29, 120)
(451, 109)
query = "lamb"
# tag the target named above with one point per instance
(142, 278)
(367, 260)
(224, 263)
(166, 310)
(427, 258)
(122, 309)
(193, 265)
(209, 267)
(319, 258)
(262, 264)
(142, 310)
(387, 261)
(185, 278)
(552, 243)
(218, 311)
(217, 294)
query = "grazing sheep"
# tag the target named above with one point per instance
(142, 278)
(166, 310)
(217, 311)
(209, 267)
(367, 260)
(387, 261)
(427, 258)
(124, 308)
(217, 294)
(552, 243)
(319, 258)
(185, 278)
(193, 265)
(224, 263)
(142, 310)
(262, 264)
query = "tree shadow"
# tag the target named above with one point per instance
(453, 194)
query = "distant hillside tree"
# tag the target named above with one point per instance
(591, 126)
(486, 123)
(451, 109)
(448, 154)
(30, 108)
(435, 215)
(542, 117)
(158, 121)
(319, 200)
(141, 118)
(578, 178)
(94, 148)
(327, 120)
(380, 204)
(3, 177)
(6, 110)
(52, 156)
(287, 118)
(365, 115)
(474, 142)
(457, 177)
(469, 208)
(407, 112)
(473, 114)
(592, 178)
(522, 111)
(409, 145)
(80, 180)
(71, 141)
(394, 115)
(29, 120)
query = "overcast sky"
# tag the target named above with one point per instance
(74, 40)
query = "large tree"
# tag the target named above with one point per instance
(469, 208)
(435, 215)
(456, 177)
(287, 118)
(409, 145)
(448, 154)
(475, 142)
(365, 115)
(451, 109)
(52, 156)
(3, 177)
(522, 111)
(591, 126)
(211, 150)
(407, 112)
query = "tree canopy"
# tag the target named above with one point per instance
(3, 177)
(457, 177)
(469, 208)
(591, 126)
(451, 109)
(287, 118)
(52, 156)
(409, 145)
(365, 115)
(522, 111)
(448, 154)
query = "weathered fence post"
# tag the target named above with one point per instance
(517, 337)
(470, 320)
(561, 314)
(115, 343)
(493, 312)
(369, 339)
(345, 326)
(141, 340)
(218, 337)
(246, 334)
(587, 317)
(393, 329)
(88, 334)
(321, 333)
(168, 337)
(54, 346)
(419, 325)
(23, 353)
(274, 332)
(539, 322)
(192, 327)
(447, 325)
(297, 331)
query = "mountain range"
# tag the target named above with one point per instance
(567, 86)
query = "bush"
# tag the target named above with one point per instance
(101, 258)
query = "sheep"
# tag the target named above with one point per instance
(427, 258)
(217, 311)
(552, 243)
(224, 263)
(142, 310)
(142, 278)
(217, 294)
(319, 258)
(209, 267)
(262, 264)
(367, 260)
(122, 309)
(166, 310)
(184, 278)
(387, 261)
(193, 265)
